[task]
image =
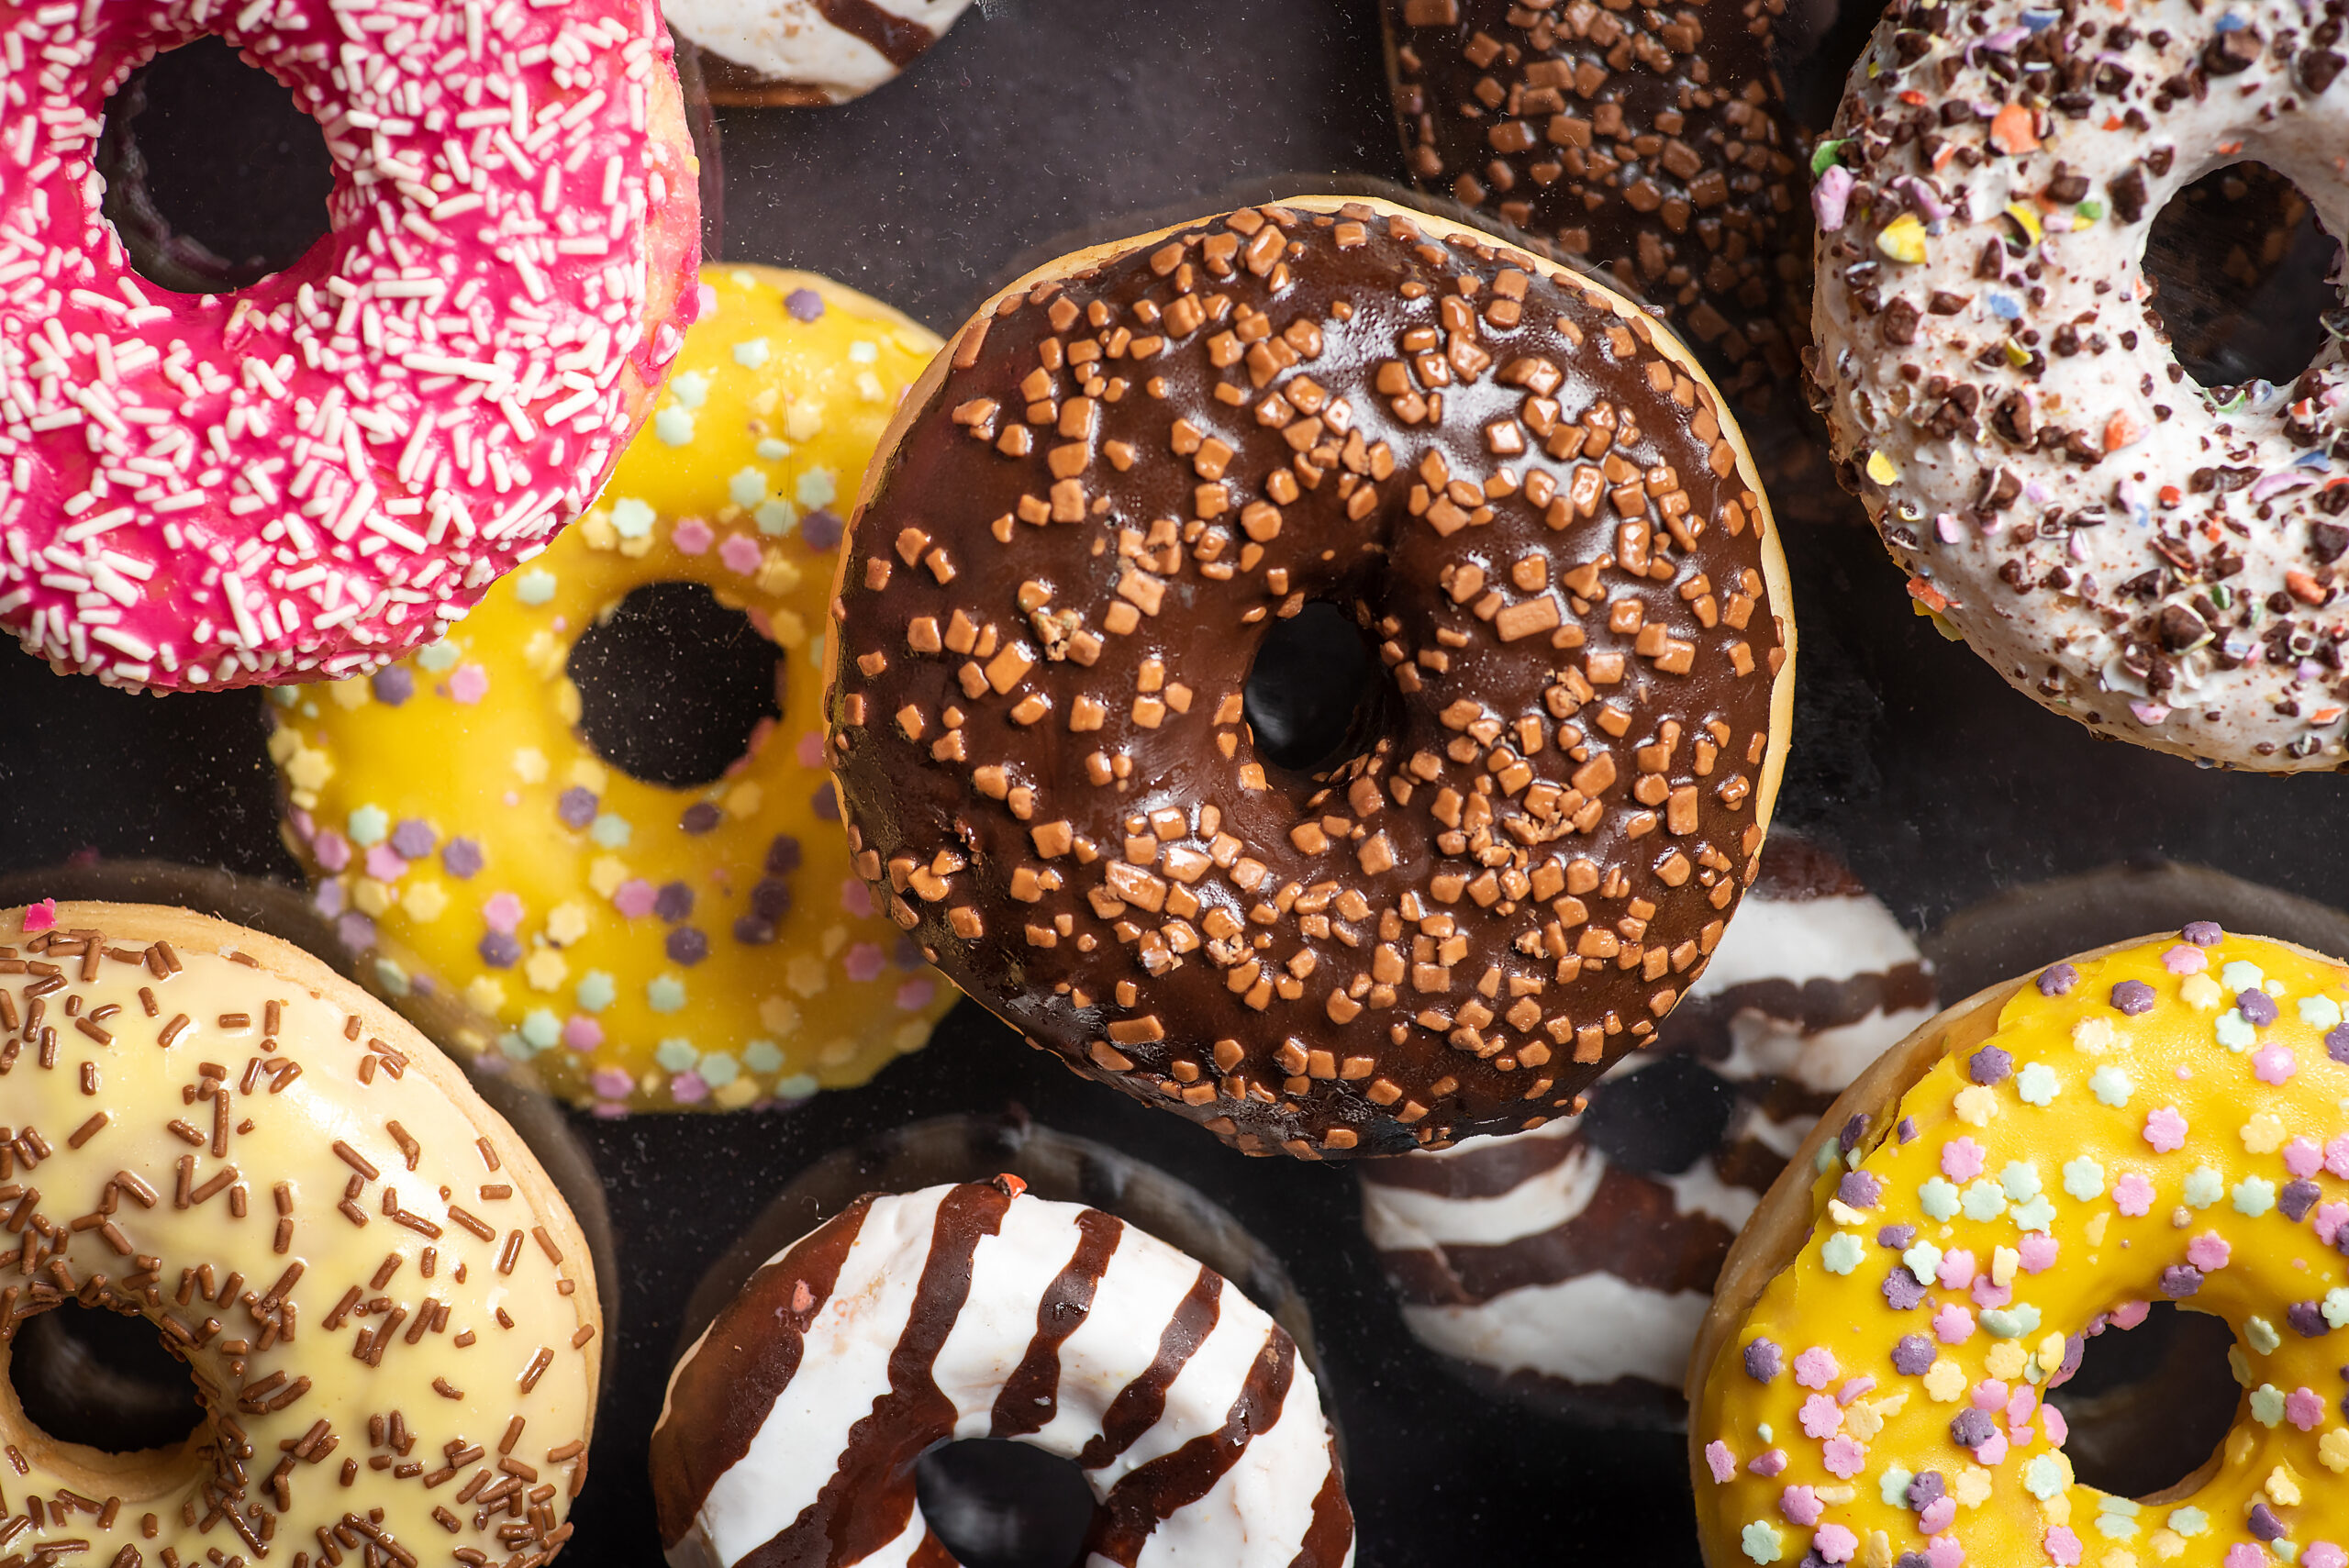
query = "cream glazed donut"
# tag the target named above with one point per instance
(2161, 563)
(311, 476)
(1574, 1264)
(973, 1311)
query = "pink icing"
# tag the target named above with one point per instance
(41, 916)
(1834, 1543)
(310, 477)
(2132, 1194)
(2208, 1252)
(2304, 1408)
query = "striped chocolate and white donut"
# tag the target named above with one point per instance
(1574, 1264)
(793, 1424)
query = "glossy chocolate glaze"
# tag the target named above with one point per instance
(1652, 141)
(1050, 604)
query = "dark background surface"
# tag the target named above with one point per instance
(1036, 119)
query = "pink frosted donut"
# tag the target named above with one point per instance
(309, 477)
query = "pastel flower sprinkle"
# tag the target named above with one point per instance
(2112, 1086)
(2037, 1085)
(2083, 1179)
(2133, 1195)
(2165, 1130)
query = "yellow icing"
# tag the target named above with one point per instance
(282, 1171)
(2068, 1126)
(768, 420)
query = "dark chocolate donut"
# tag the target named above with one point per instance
(1650, 140)
(1088, 514)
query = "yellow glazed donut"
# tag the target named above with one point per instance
(2162, 1120)
(638, 945)
(388, 1314)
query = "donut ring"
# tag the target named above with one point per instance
(2147, 1120)
(792, 1426)
(306, 478)
(1037, 716)
(639, 946)
(354, 1256)
(2134, 552)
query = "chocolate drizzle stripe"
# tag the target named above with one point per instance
(1488, 1170)
(1630, 1228)
(869, 1499)
(1150, 1492)
(733, 1383)
(1030, 1395)
(897, 39)
(1701, 1024)
(1332, 1533)
(1139, 1404)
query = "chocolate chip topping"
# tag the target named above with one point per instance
(1049, 608)
(1651, 140)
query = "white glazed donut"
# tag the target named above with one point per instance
(792, 1426)
(807, 52)
(1580, 1280)
(2160, 562)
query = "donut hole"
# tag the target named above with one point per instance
(1310, 689)
(85, 1375)
(1001, 1504)
(671, 684)
(2240, 265)
(1662, 1119)
(213, 177)
(2149, 1404)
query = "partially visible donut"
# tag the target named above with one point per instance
(2160, 562)
(638, 944)
(388, 1314)
(1573, 1264)
(1650, 140)
(792, 1427)
(808, 53)
(310, 476)
(1086, 516)
(2156, 1120)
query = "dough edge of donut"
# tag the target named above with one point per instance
(1776, 1234)
(190, 932)
(1776, 578)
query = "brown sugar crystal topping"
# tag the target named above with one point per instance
(1652, 141)
(1111, 486)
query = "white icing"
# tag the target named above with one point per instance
(843, 1366)
(1400, 1219)
(791, 42)
(1926, 491)
(1591, 1329)
(1803, 939)
(1701, 1190)
(1254, 1516)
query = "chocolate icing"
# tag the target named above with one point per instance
(1653, 141)
(1046, 619)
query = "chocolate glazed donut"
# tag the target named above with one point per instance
(1092, 508)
